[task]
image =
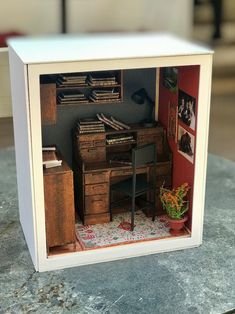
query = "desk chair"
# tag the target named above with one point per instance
(137, 185)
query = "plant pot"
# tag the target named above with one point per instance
(176, 225)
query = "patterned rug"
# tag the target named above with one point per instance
(118, 231)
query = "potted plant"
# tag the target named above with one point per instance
(175, 203)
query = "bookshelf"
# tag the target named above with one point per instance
(80, 88)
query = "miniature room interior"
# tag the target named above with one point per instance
(91, 123)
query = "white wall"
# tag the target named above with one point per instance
(30, 16)
(43, 17)
(131, 15)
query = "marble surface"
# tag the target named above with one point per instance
(195, 281)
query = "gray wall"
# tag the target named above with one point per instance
(127, 111)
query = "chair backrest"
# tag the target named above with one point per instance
(143, 155)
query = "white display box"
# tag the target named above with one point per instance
(32, 57)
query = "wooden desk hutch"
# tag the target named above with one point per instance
(56, 83)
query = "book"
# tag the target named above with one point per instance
(88, 121)
(125, 126)
(71, 98)
(52, 163)
(91, 131)
(90, 125)
(101, 79)
(102, 118)
(49, 148)
(50, 159)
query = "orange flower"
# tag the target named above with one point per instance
(174, 200)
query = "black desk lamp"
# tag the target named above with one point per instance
(141, 97)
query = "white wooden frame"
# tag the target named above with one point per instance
(27, 129)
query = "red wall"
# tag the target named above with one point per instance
(188, 82)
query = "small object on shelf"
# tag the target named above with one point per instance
(50, 159)
(101, 79)
(89, 121)
(48, 148)
(107, 95)
(52, 163)
(90, 126)
(71, 80)
(68, 98)
(120, 139)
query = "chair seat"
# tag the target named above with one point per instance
(126, 186)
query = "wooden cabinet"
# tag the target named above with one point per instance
(151, 135)
(59, 205)
(48, 103)
(91, 147)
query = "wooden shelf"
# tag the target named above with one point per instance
(91, 102)
(86, 87)
(50, 91)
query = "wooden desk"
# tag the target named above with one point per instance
(93, 178)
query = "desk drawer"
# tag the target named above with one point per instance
(96, 177)
(121, 172)
(96, 189)
(93, 154)
(150, 131)
(96, 219)
(96, 204)
(147, 139)
(127, 172)
(92, 140)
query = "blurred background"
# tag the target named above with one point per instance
(211, 22)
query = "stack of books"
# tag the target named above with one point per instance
(106, 95)
(120, 139)
(101, 80)
(85, 126)
(71, 98)
(49, 158)
(71, 80)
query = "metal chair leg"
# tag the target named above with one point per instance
(132, 212)
(154, 206)
(110, 204)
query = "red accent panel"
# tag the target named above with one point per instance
(188, 81)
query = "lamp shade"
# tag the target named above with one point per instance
(141, 97)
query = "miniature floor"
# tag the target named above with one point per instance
(118, 232)
(199, 280)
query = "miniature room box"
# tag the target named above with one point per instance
(58, 81)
